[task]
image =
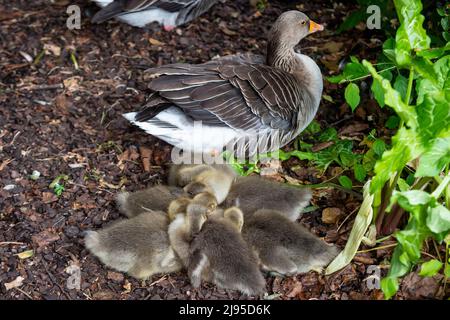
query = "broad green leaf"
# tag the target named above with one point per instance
(425, 68)
(369, 160)
(347, 158)
(430, 268)
(401, 85)
(411, 241)
(359, 172)
(399, 265)
(389, 49)
(433, 116)
(345, 182)
(433, 53)
(405, 147)
(425, 86)
(402, 185)
(378, 92)
(434, 158)
(438, 218)
(410, 35)
(379, 147)
(408, 200)
(410, 179)
(393, 99)
(352, 70)
(392, 122)
(389, 286)
(352, 95)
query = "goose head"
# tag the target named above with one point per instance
(291, 27)
(287, 31)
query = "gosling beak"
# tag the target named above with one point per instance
(313, 27)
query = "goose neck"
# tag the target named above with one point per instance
(281, 56)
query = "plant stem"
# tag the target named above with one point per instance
(387, 195)
(441, 187)
(378, 248)
(410, 84)
(447, 249)
(367, 75)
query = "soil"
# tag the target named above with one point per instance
(62, 93)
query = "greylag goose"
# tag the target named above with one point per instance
(257, 104)
(138, 13)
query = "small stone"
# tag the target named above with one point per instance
(9, 187)
(331, 215)
(14, 174)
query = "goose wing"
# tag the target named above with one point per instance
(118, 7)
(238, 94)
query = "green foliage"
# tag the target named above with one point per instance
(57, 184)
(392, 122)
(353, 70)
(418, 91)
(410, 35)
(430, 268)
(345, 182)
(352, 95)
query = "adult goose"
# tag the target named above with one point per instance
(138, 13)
(249, 102)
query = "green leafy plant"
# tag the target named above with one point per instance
(412, 174)
(58, 183)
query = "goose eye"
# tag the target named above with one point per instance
(303, 22)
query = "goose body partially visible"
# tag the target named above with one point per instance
(138, 13)
(255, 103)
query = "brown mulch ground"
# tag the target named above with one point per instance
(58, 120)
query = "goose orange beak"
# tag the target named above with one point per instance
(313, 27)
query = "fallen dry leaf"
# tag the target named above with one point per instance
(51, 48)
(127, 287)
(49, 197)
(44, 238)
(321, 146)
(72, 84)
(4, 164)
(331, 215)
(25, 254)
(15, 283)
(146, 154)
(353, 128)
(155, 42)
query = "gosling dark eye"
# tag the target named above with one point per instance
(303, 22)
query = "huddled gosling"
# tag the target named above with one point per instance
(156, 198)
(215, 179)
(219, 254)
(252, 193)
(139, 246)
(284, 246)
(186, 222)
